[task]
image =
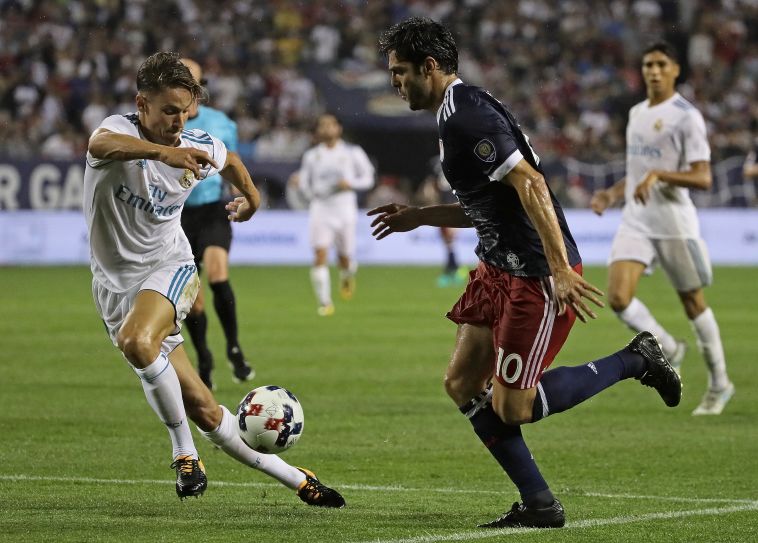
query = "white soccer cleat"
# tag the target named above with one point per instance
(676, 358)
(714, 401)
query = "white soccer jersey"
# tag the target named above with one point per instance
(133, 208)
(322, 169)
(668, 136)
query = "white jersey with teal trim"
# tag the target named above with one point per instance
(133, 208)
(322, 169)
(668, 136)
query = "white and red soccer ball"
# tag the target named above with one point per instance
(270, 419)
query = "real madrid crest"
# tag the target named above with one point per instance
(658, 126)
(485, 150)
(187, 178)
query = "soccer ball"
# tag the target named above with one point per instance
(270, 419)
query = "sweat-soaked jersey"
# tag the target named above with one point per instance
(480, 142)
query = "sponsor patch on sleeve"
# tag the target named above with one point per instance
(485, 151)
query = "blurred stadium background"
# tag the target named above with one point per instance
(568, 68)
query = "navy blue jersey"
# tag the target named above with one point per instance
(480, 142)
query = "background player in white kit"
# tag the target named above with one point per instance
(140, 169)
(667, 154)
(329, 175)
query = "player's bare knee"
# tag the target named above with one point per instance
(618, 300)
(217, 274)
(452, 387)
(461, 389)
(694, 303)
(138, 347)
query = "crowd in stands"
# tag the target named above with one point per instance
(568, 68)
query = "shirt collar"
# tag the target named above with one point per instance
(448, 96)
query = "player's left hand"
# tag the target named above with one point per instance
(571, 289)
(240, 209)
(642, 191)
(393, 218)
(343, 185)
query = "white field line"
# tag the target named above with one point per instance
(372, 488)
(589, 523)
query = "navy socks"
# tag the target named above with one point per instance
(506, 444)
(563, 388)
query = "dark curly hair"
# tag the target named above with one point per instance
(419, 37)
(164, 70)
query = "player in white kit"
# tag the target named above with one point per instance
(667, 154)
(140, 169)
(329, 175)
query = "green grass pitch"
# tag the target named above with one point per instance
(83, 458)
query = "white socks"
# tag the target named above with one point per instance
(638, 317)
(227, 438)
(349, 272)
(164, 394)
(321, 285)
(709, 342)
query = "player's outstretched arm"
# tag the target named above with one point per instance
(243, 207)
(107, 145)
(401, 218)
(571, 289)
(604, 198)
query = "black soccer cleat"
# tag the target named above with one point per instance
(314, 492)
(190, 477)
(521, 516)
(241, 370)
(658, 373)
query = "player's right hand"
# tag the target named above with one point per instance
(571, 289)
(393, 218)
(600, 201)
(188, 158)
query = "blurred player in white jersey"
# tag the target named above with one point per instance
(667, 154)
(329, 175)
(140, 170)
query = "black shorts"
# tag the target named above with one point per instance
(205, 226)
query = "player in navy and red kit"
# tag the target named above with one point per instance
(527, 290)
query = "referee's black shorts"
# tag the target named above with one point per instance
(205, 226)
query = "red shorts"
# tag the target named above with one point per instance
(522, 313)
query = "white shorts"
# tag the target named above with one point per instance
(685, 261)
(333, 228)
(179, 283)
